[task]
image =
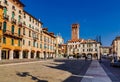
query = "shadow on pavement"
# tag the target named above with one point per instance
(25, 74)
(76, 67)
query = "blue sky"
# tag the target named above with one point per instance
(96, 17)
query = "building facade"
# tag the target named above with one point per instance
(115, 50)
(105, 50)
(11, 29)
(59, 42)
(82, 47)
(22, 35)
(48, 44)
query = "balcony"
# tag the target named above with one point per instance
(35, 38)
(5, 17)
(7, 32)
(20, 24)
(13, 21)
(13, 35)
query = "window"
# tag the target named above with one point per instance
(4, 40)
(83, 50)
(18, 42)
(4, 26)
(40, 37)
(5, 1)
(24, 23)
(40, 45)
(30, 19)
(29, 43)
(45, 46)
(23, 42)
(83, 45)
(37, 45)
(19, 18)
(33, 20)
(19, 11)
(13, 14)
(30, 25)
(29, 33)
(12, 41)
(13, 7)
(33, 43)
(19, 31)
(24, 15)
(95, 49)
(12, 30)
(5, 11)
(23, 31)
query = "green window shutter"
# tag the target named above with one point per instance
(12, 29)
(19, 31)
(5, 11)
(13, 14)
(4, 27)
(19, 18)
(4, 40)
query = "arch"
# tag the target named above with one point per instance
(16, 53)
(38, 54)
(95, 55)
(83, 54)
(25, 53)
(89, 55)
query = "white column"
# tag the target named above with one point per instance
(35, 55)
(11, 55)
(20, 55)
(29, 55)
(98, 52)
(0, 54)
(42, 54)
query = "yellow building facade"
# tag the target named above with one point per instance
(11, 29)
(1, 20)
(22, 35)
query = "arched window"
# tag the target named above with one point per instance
(19, 18)
(4, 26)
(5, 11)
(13, 14)
(12, 30)
(19, 31)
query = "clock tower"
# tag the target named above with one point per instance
(75, 32)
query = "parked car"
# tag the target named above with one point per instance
(115, 63)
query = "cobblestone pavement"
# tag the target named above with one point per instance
(60, 70)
